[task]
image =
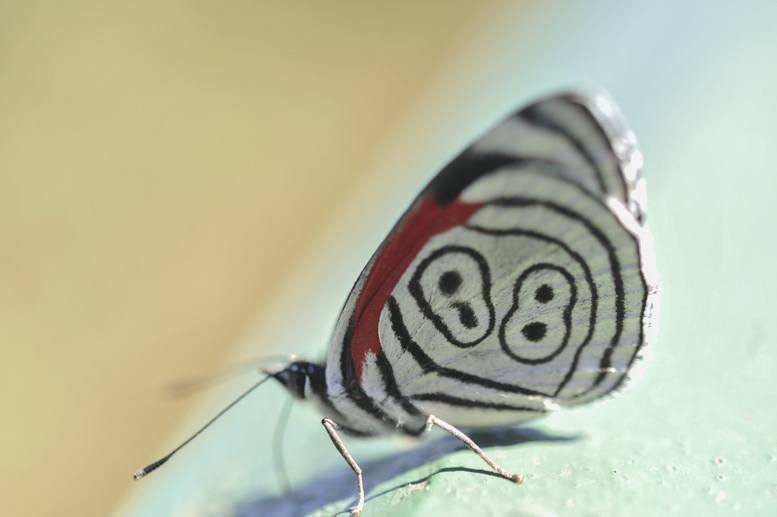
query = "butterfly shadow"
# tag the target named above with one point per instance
(338, 483)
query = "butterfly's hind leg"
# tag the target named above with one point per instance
(331, 427)
(433, 420)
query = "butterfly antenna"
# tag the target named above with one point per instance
(192, 385)
(158, 463)
(277, 441)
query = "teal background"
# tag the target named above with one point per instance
(696, 81)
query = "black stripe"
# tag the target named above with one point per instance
(606, 140)
(353, 390)
(471, 165)
(615, 270)
(534, 116)
(445, 187)
(588, 277)
(635, 241)
(479, 404)
(390, 383)
(620, 311)
(641, 343)
(319, 388)
(429, 366)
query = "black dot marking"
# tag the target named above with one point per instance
(466, 315)
(449, 282)
(544, 293)
(534, 331)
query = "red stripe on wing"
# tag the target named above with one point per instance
(424, 220)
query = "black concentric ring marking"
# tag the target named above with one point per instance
(549, 173)
(472, 165)
(615, 270)
(588, 277)
(416, 290)
(516, 304)
(429, 366)
(445, 187)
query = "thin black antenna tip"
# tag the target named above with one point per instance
(151, 467)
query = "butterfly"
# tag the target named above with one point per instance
(519, 281)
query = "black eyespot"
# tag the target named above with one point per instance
(544, 293)
(452, 289)
(466, 315)
(534, 331)
(449, 282)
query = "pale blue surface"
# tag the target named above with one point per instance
(696, 436)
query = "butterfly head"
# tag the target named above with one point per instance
(301, 378)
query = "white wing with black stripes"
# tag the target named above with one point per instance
(521, 279)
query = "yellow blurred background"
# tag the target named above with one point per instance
(161, 165)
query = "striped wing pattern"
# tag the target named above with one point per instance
(521, 279)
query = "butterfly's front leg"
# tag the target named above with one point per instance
(433, 420)
(330, 427)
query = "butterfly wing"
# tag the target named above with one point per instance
(521, 278)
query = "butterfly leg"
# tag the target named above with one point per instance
(330, 427)
(433, 420)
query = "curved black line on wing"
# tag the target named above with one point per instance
(471, 165)
(605, 362)
(635, 241)
(452, 400)
(429, 366)
(588, 277)
(416, 290)
(641, 343)
(390, 383)
(446, 187)
(514, 308)
(615, 270)
(319, 387)
(534, 116)
(354, 390)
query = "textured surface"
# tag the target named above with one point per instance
(696, 435)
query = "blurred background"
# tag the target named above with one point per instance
(186, 184)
